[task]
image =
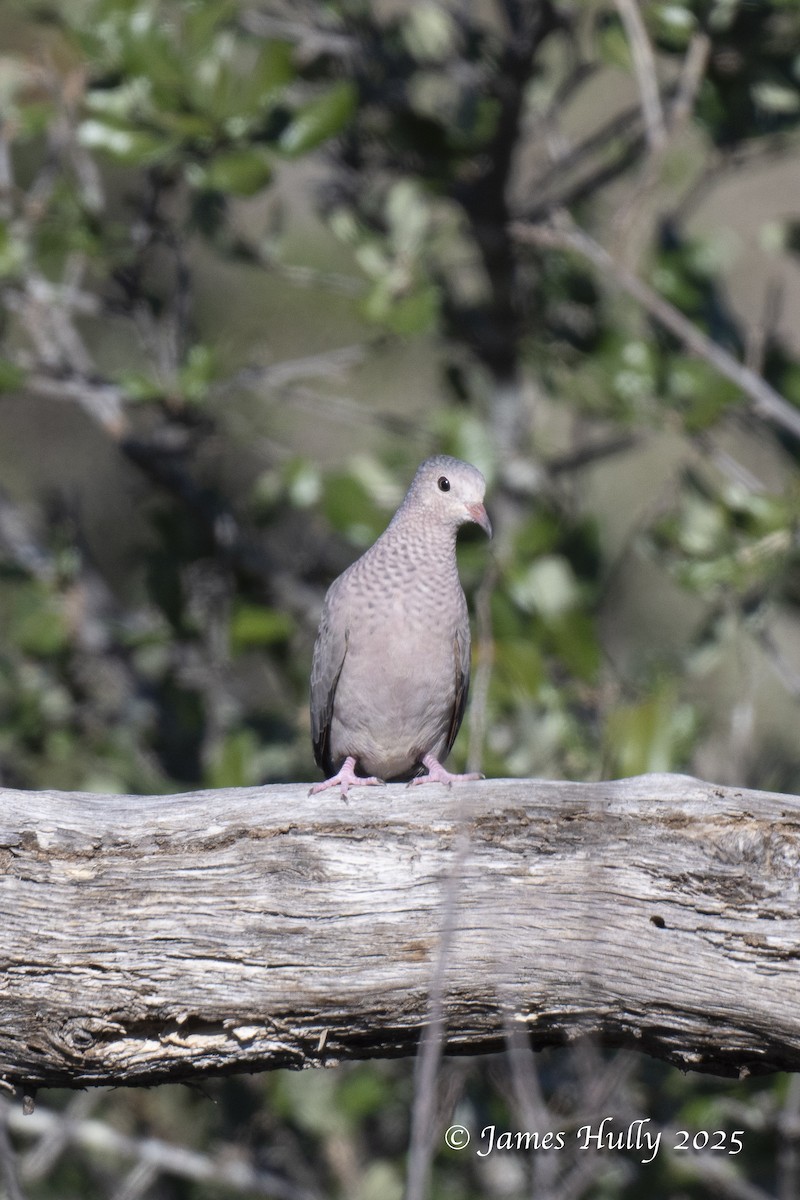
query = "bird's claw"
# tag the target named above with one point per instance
(439, 774)
(345, 778)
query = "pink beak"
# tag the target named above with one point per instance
(479, 515)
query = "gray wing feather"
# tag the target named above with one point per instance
(330, 649)
(461, 654)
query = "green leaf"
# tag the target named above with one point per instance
(381, 1181)
(538, 534)
(187, 128)
(546, 586)
(634, 378)
(654, 735)
(315, 1110)
(34, 119)
(319, 120)
(790, 383)
(430, 32)
(507, 621)
(674, 24)
(613, 45)
(197, 373)
(13, 251)
(518, 669)
(132, 146)
(42, 631)
(201, 21)
(415, 312)
(237, 761)
(273, 71)
(776, 97)
(139, 387)
(363, 1092)
(703, 527)
(700, 392)
(573, 639)
(122, 103)
(351, 510)
(303, 482)
(252, 625)
(240, 172)
(669, 277)
(11, 376)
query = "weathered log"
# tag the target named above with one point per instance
(148, 939)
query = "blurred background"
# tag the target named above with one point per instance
(257, 260)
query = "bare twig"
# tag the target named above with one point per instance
(40, 1159)
(759, 331)
(631, 219)
(562, 233)
(644, 65)
(622, 130)
(325, 364)
(299, 274)
(592, 452)
(478, 714)
(691, 77)
(429, 1055)
(9, 1174)
(719, 1176)
(531, 1105)
(227, 1168)
(18, 542)
(6, 173)
(310, 40)
(347, 410)
(776, 656)
(727, 465)
(788, 1123)
(139, 1180)
(102, 401)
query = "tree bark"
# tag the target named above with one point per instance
(152, 939)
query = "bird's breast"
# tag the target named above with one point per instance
(396, 692)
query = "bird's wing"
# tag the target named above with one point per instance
(461, 654)
(330, 649)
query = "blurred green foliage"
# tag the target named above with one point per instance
(183, 184)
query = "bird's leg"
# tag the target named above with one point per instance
(438, 774)
(345, 778)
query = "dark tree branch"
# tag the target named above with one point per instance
(563, 234)
(485, 199)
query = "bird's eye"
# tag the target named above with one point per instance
(444, 483)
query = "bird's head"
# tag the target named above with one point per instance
(450, 491)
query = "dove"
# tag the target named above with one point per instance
(390, 671)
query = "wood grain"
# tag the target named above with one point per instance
(147, 939)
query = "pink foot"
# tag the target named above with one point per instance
(345, 779)
(438, 774)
